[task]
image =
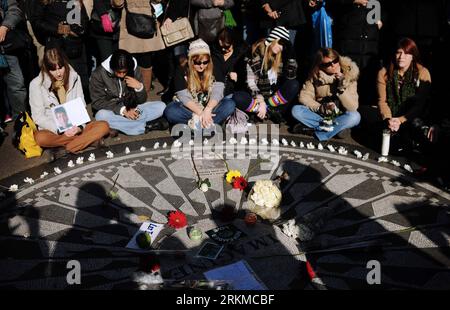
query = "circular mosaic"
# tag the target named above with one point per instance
(346, 212)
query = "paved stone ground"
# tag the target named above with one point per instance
(354, 210)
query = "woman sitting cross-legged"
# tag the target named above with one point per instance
(329, 98)
(119, 97)
(199, 92)
(58, 83)
(271, 78)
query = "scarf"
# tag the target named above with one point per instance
(398, 93)
(58, 88)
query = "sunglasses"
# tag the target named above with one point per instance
(329, 64)
(198, 63)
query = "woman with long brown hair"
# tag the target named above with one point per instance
(199, 92)
(57, 84)
(330, 91)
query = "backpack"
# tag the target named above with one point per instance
(23, 138)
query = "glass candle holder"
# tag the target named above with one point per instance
(195, 234)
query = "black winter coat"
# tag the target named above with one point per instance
(353, 35)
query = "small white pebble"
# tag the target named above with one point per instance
(57, 170)
(28, 180)
(44, 174)
(383, 159)
(14, 188)
(408, 168)
(284, 142)
(331, 148)
(80, 160)
(91, 157)
(320, 147)
(293, 144)
(127, 150)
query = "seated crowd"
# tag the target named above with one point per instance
(208, 79)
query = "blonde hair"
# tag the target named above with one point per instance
(270, 60)
(199, 82)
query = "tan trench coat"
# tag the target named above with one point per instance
(129, 42)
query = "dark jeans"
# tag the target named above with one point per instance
(15, 86)
(177, 113)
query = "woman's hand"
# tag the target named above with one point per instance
(72, 131)
(361, 2)
(262, 110)
(233, 76)
(206, 117)
(3, 31)
(394, 124)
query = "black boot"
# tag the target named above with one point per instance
(157, 124)
(166, 88)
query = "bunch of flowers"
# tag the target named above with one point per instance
(266, 197)
(177, 219)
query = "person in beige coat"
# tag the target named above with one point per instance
(141, 49)
(329, 98)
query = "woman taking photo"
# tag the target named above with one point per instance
(57, 84)
(271, 77)
(199, 92)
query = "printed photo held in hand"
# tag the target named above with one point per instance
(70, 114)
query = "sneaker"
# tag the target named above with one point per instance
(8, 118)
(157, 124)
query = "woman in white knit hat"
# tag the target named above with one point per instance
(271, 77)
(199, 91)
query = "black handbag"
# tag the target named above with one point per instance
(140, 25)
(15, 40)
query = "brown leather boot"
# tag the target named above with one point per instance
(147, 75)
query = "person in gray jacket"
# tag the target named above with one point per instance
(10, 16)
(210, 19)
(119, 97)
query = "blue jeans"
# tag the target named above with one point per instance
(15, 86)
(313, 120)
(177, 113)
(149, 111)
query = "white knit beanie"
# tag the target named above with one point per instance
(198, 47)
(278, 32)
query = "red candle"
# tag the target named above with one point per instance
(250, 219)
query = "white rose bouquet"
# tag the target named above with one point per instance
(267, 199)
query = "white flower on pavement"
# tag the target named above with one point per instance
(143, 149)
(156, 146)
(395, 163)
(57, 170)
(70, 164)
(191, 142)
(176, 143)
(127, 150)
(244, 141)
(291, 230)
(109, 154)
(264, 141)
(14, 188)
(310, 146)
(366, 156)
(233, 141)
(320, 147)
(252, 141)
(302, 145)
(331, 148)
(80, 160)
(408, 168)
(204, 187)
(275, 142)
(44, 174)
(358, 154)
(164, 145)
(293, 144)
(28, 180)
(383, 159)
(284, 142)
(91, 157)
(205, 142)
(342, 151)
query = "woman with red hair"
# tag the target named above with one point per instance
(403, 91)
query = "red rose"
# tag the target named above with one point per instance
(240, 183)
(177, 219)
